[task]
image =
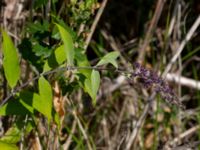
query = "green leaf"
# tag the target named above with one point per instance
(88, 87)
(10, 61)
(38, 27)
(12, 136)
(57, 119)
(32, 101)
(39, 3)
(47, 66)
(55, 33)
(60, 54)
(38, 103)
(91, 85)
(41, 102)
(56, 59)
(109, 58)
(41, 50)
(26, 99)
(13, 107)
(92, 78)
(85, 81)
(45, 98)
(95, 82)
(26, 51)
(90, 3)
(8, 146)
(82, 61)
(68, 44)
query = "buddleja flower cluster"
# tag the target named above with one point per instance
(149, 78)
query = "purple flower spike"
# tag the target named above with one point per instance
(151, 79)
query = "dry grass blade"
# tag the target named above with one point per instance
(183, 135)
(153, 24)
(182, 45)
(94, 25)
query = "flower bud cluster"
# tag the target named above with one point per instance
(149, 79)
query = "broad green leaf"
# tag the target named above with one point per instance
(57, 58)
(8, 146)
(10, 61)
(88, 87)
(38, 103)
(32, 101)
(95, 82)
(55, 34)
(13, 107)
(92, 78)
(91, 85)
(109, 58)
(60, 54)
(12, 136)
(28, 107)
(26, 99)
(68, 44)
(82, 61)
(45, 97)
(41, 102)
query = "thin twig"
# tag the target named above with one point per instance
(68, 141)
(14, 91)
(120, 80)
(119, 121)
(171, 25)
(106, 133)
(82, 130)
(172, 22)
(188, 132)
(18, 89)
(139, 123)
(183, 81)
(22, 133)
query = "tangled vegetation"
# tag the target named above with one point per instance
(89, 74)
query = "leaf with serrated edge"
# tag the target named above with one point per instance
(10, 61)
